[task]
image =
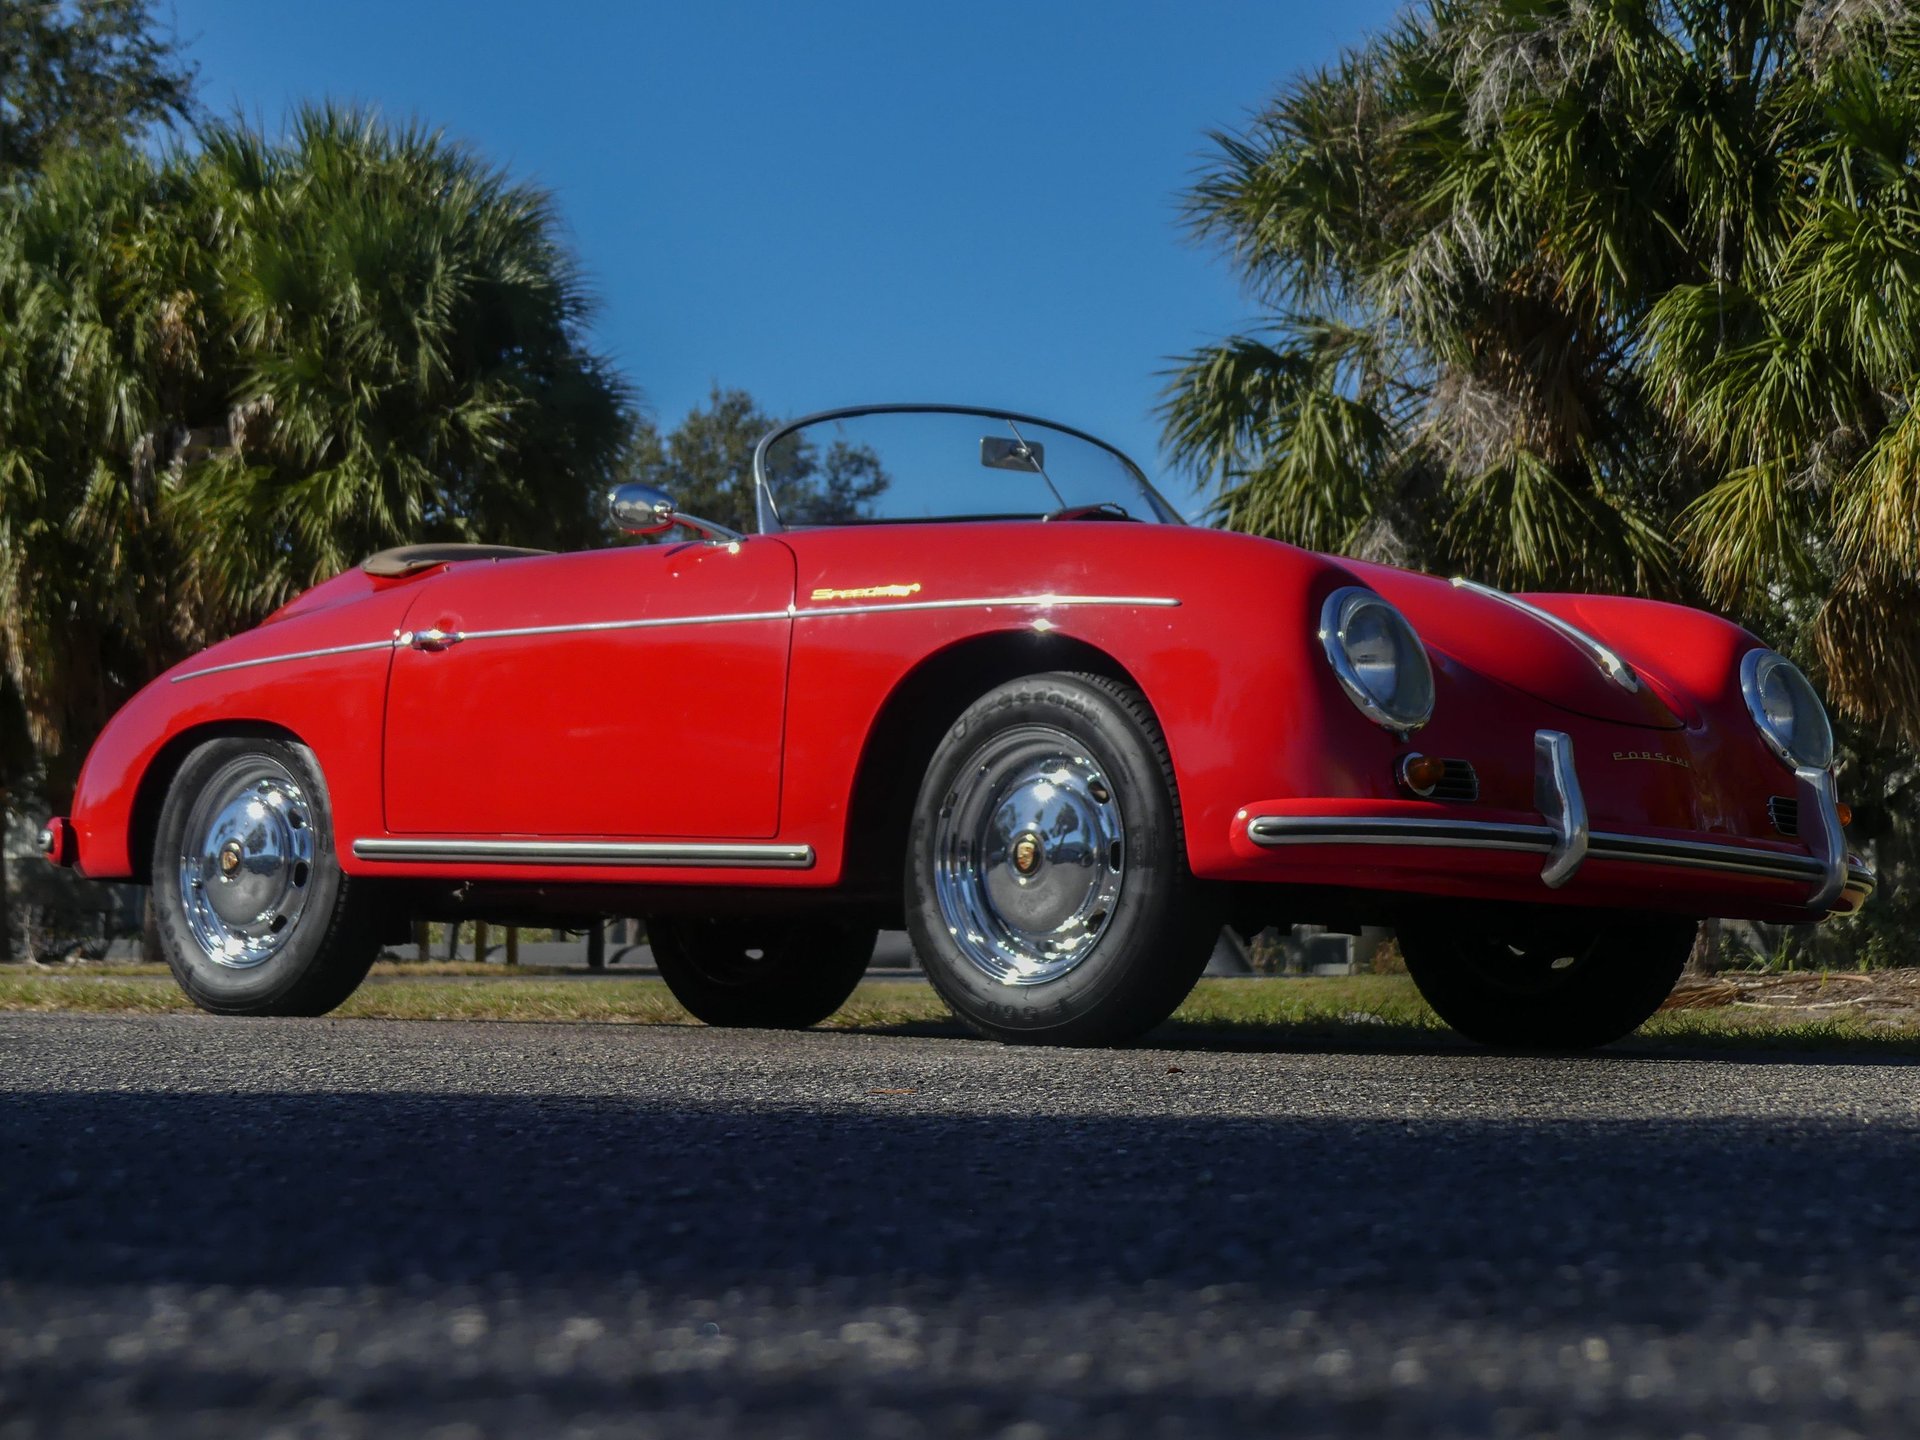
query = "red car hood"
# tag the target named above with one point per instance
(1506, 644)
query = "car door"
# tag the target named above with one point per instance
(631, 692)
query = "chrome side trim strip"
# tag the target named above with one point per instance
(291, 655)
(791, 612)
(988, 602)
(591, 627)
(590, 852)
(1610, 663)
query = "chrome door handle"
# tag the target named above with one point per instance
(434, 639)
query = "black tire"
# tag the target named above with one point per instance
(294, 934)
(760, 973)
(1542, 979)
(1009, 937)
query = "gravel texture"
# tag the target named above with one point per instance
(366, 1228)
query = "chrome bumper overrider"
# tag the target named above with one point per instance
(1567, 841)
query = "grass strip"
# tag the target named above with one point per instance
(1362, 1011)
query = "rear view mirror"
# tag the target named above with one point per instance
(998, 453)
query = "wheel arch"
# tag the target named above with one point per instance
(143, 819)
(909, 725)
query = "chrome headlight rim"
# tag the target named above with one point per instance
(1756, 668)
(1337, 613)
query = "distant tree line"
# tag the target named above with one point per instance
(1620, 296)
(706, 464)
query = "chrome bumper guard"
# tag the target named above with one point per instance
(1568, 842)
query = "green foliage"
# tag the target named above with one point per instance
(82, 75)
(230, 372)
(706, 465)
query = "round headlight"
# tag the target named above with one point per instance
(1380, 661)
(1784, 705)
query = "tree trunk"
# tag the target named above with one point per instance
(422, 939)
(597, 946)
(6, 899)
(150, 950)
(480, 942)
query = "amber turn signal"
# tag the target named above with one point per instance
(1420, 773)
(1845, 812)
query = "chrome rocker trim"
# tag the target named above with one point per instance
(589, 853)
(1567, 842)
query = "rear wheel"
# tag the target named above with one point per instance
(252, 909)
(1047, 886)
(1544, 980)
(760, 973)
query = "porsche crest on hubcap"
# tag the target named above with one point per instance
(1030, 856)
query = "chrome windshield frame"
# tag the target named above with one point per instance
(767, 515)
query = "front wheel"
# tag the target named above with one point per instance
(760, 973)
(252, 909)
(1047, 886)
(1545, 980)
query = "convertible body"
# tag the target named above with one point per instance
(698, 714)
(643, 728)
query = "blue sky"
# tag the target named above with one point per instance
(833, 204)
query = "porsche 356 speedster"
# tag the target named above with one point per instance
(971, 675)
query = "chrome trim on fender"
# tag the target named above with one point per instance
(1556, 795)
(589, 852)
(290, 655)
(1610, 663)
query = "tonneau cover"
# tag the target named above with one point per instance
(412, 559)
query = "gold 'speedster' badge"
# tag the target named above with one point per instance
(870, 592)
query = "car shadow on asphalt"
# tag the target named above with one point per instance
(319, 1189)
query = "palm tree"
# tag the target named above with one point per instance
(85, 582)
(231, 372)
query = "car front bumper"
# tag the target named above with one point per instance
(1446, 849)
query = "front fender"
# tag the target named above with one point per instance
(328, 697)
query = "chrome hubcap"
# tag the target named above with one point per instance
(247, 862)
(1030, 856)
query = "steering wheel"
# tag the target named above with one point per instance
(1099, 510)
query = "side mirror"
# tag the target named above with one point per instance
(641, 509)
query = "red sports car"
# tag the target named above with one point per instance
(971, 675)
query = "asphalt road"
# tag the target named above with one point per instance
(365, 1228)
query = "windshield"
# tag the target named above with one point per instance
(899, 463)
